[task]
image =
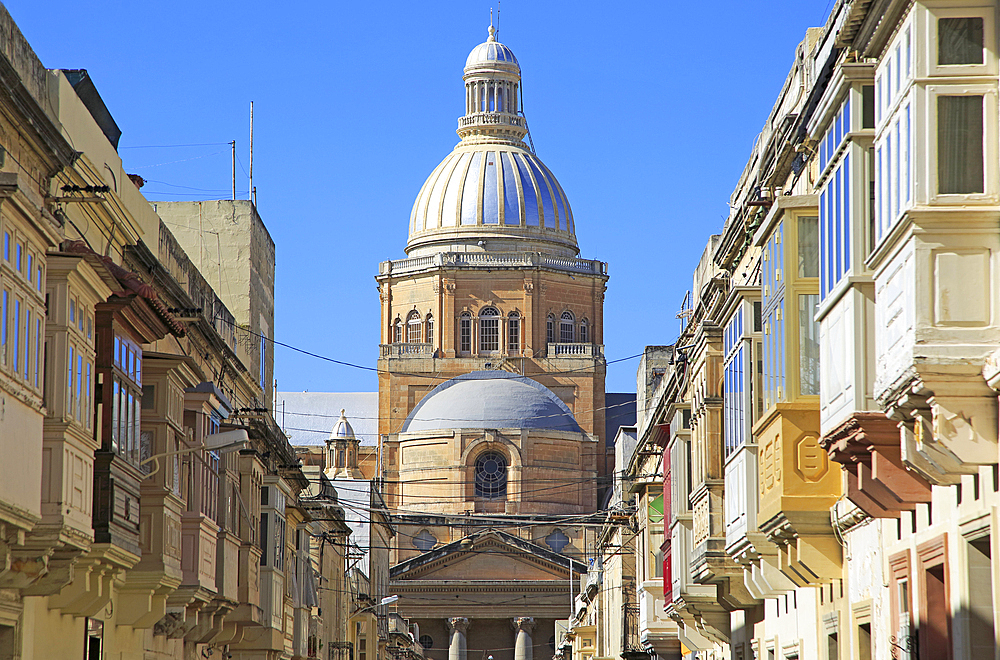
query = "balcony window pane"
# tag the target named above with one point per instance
(809, 247)
(960, 41)
(960, 144)
(808, 345)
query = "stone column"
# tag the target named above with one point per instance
(457, 627)
(522, 643)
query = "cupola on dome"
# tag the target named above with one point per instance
(490, 51)
(492, 192)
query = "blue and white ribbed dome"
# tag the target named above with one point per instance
(342, 430)
(490, 52)
(502, 186)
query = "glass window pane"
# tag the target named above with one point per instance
(809, 246)
(808, 345)
(960, 41)
(960, 144)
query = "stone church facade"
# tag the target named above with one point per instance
(491, 389)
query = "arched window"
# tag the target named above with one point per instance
(413, 329)
(489, 330)
(513, 333)
(465, 333)
(429, 331)
(550, 329)
(584, 331)
(397, 331)
(491, 476)
(566, 323)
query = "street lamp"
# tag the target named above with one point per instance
(384, 601)
(223, 443)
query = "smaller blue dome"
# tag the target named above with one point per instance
(490, 52)
(490, 400)
(342, 430)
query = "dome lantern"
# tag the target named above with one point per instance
(492, 87)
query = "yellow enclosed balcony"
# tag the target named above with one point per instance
(797, 483)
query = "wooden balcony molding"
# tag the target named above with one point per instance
(867, 444)
(798, 487)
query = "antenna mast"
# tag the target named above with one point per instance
(250, 194)
(233, 143)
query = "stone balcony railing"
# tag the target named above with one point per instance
(406, 350)
(575, 350)
(491, 260)
(481, 118)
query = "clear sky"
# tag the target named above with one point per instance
(645, 111)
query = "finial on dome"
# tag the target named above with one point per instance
(493, 31)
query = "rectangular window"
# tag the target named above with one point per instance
(465, 334)
(808, 246)
(16, 348)
(79, 386)
(808, 345)
(413, 330)
(868, 106)
(430, 330)
(514, 334)
(38, 353)
(489, 334)
(86, 422)
(734, 385)
(6, 246)
(265, 539)
(960, 144)
(960, 40)
(3, 326)
(20, 252)
(27, 343)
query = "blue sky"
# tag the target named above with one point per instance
(645, 111)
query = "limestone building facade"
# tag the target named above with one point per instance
(149, 505)
(824, 429)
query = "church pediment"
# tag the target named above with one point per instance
(488, 556)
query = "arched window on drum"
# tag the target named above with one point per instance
(491, 476)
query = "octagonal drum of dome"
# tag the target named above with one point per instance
(490, 400)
